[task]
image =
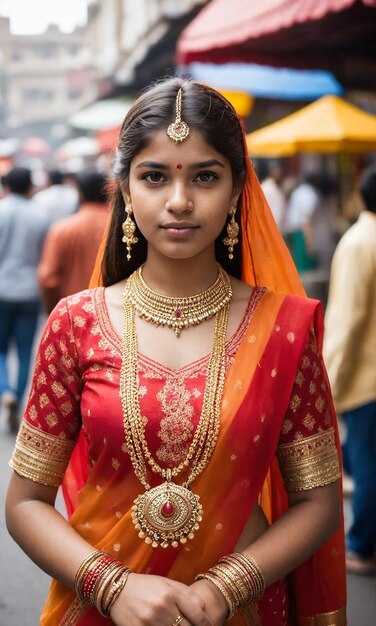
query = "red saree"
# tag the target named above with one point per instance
(260, 377)
(76, 382)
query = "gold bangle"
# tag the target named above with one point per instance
(82, 571)
(223, 589)
(116, 588)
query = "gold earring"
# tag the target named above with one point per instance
(129, 229)
(232, 234)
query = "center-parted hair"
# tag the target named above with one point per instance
(205, 111)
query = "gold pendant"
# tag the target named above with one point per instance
(167, 515)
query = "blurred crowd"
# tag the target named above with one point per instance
(49, 240)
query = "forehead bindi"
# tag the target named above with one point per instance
(179, 166)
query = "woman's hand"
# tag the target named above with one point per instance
(215, 605)
(148, 600)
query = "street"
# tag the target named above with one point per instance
(24, 587)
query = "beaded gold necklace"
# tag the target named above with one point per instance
(169, 514)
(178, 313)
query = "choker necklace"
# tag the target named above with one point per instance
(178, 313)
(169, 514)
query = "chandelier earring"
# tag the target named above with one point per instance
(232, 234)
(129, 229)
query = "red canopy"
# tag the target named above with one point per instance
(320, 34)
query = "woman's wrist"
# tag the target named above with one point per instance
(99, 581)
(238, 578)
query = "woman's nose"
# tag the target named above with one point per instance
(179, 200)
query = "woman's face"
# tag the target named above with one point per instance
(181, 195)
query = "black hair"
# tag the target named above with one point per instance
(367, 188)
(56, 177)
(93, 185)
(204, 110)
(19, 181)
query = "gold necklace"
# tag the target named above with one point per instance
(179, 313)
(169, 514)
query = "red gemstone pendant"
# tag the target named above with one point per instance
(177, 313)
(167, 509)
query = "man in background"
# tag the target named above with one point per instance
(58, 199)
(72, 243)
(23, 227)
(350, 355)
(272, 188)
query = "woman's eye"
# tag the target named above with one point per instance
(206, 177)
(154, 177)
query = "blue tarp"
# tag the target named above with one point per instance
(267, 82)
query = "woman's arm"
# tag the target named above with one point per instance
(312, 517)
(51, 542)
(310, 520)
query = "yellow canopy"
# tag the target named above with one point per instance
(329, 124)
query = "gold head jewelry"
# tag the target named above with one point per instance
(129, 229)
(232, 234)
(178, 313)
(169, 514)
(178, 130)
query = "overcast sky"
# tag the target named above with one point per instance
(33, 16)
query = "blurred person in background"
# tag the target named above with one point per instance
(23, 226)
(301, 207)
(350, 355)
(273, 191)
(323, 222)
(72, 243)
(59, 199)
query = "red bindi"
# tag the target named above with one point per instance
(179, 166)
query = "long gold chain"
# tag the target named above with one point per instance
(169, 514)
(178, 313)
(206, 434)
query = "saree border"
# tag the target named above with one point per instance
(333, 618)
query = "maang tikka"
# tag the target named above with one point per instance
(129, 229)
(232, 234)
(178, 130)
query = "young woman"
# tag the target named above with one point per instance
(206, 465)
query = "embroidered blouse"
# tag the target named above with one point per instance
(76, 383)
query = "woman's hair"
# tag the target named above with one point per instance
(205, 111)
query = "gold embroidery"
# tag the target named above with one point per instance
(51, 419)
(319, 404)
(295, 403)
(176, 427)
(79, 321)
(287, 426)
(309, 421)
(41, 380)
(43, 400)
(40, 456)
(66, 408)
(56, 325)
(312, 387)
(33, 413)
(58, 389)
(299, 378)
(309, 462)
(72, 615)
(334, 618)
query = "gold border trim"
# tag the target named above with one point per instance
(75, 611)
(309, 462)
(40, 456)
(333, 618)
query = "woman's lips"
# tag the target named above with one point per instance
(179, 232)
